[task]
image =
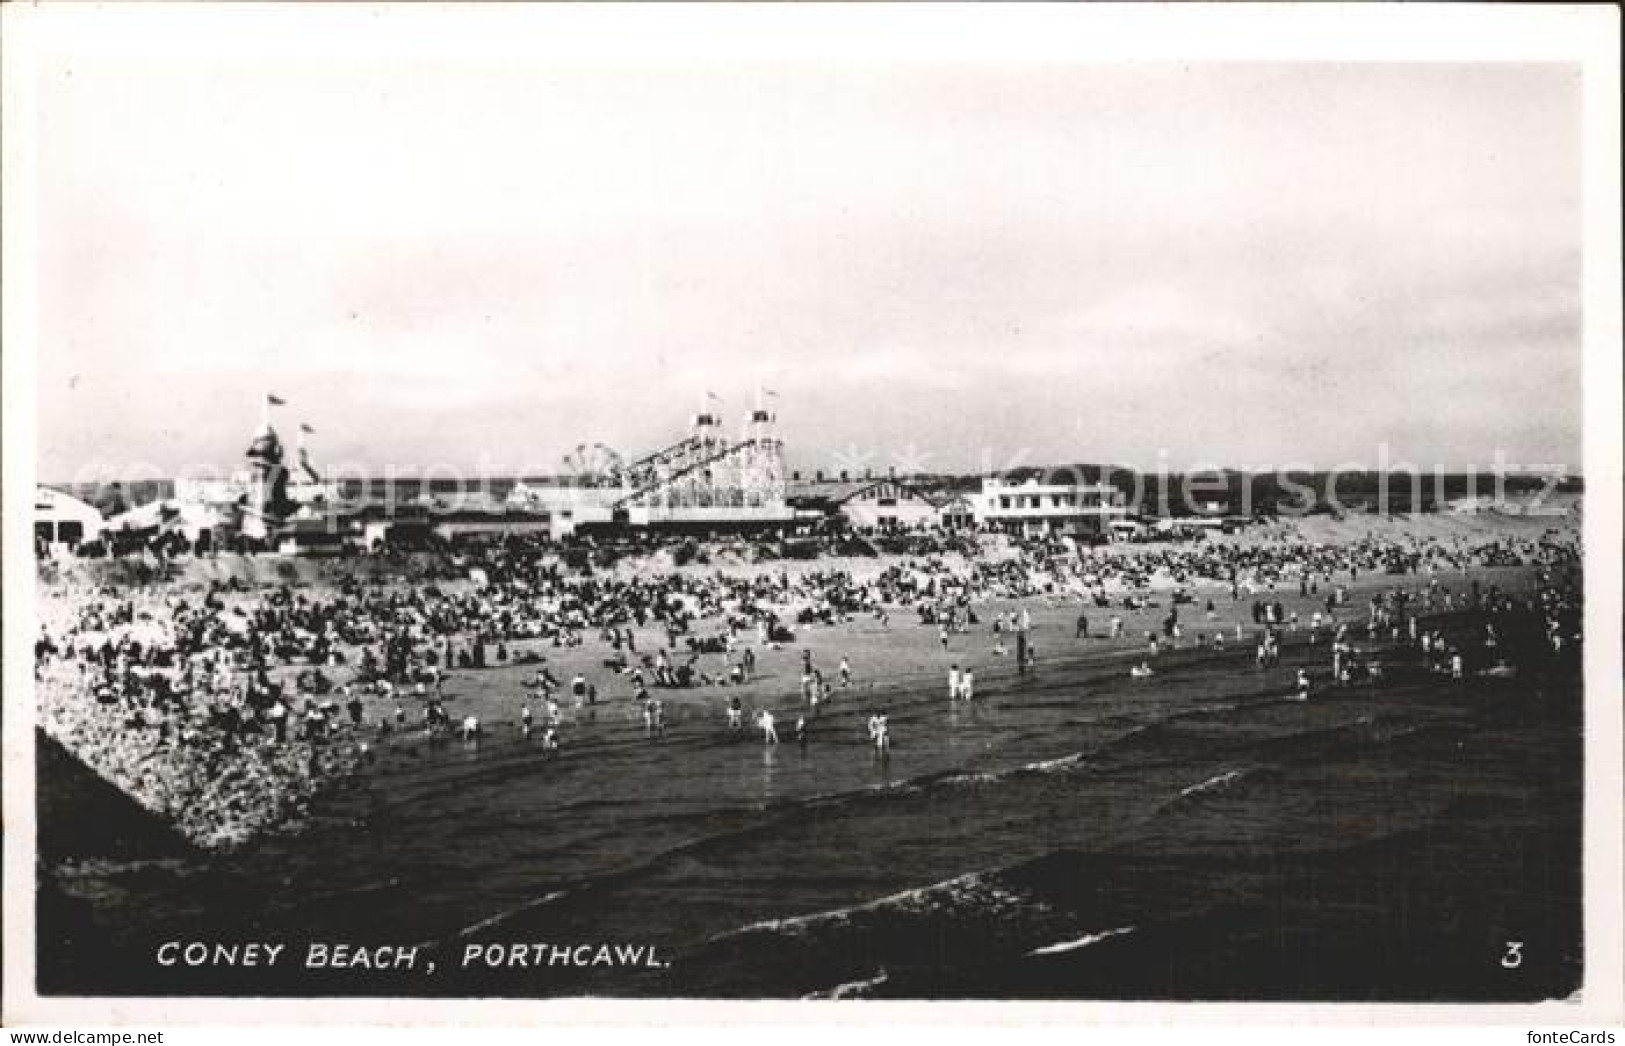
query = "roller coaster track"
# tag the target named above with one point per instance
(690, 470)
(660, 457)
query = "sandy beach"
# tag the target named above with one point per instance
(1071, 832)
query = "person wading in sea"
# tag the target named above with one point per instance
(881, 732)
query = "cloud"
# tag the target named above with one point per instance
(445, 256)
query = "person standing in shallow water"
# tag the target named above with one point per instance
(881, 731)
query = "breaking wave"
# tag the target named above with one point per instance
(1085, 941)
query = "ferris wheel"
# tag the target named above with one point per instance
(593, 465)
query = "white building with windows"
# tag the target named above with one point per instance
(1030, 508)
(889, 504)
(62, 521)
(956, 511)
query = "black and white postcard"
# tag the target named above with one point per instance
(1115, 507)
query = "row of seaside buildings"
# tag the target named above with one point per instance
(706, 483)
(62, 522)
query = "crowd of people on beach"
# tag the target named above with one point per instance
(252, 697)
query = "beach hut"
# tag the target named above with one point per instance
(955, 512)
(62, 521)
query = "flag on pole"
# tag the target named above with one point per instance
(273, 400)
(712, 396)
(306, 429)
(770, 392)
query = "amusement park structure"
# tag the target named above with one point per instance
(707, 478)
(258, 501)
(704, 481)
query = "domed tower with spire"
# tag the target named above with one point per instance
(266, 504)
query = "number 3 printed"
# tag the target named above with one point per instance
(1514, 955)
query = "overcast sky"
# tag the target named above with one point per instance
(469, 263)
